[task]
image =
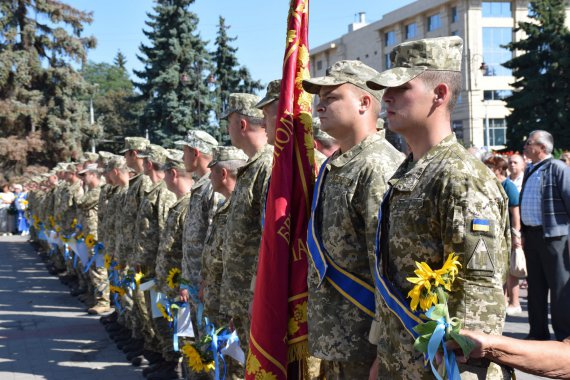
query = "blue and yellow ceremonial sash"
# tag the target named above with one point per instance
(391, 296)
(354, 289)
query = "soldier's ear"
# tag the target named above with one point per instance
(224, 172)
(243, 124)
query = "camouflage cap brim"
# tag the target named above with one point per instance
(314, 85)
(212, 164)
(265, 101)
(123, 151)
(394, 77)
(181, 143)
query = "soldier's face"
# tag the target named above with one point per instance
(189, 157)
(338, 109)
(270, 119)
(216, 178)
(408, 106)
(234, 129)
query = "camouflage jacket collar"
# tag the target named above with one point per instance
(205, 179)
(409, 174)
(180, 201)
(155, 187)
(267, 149)
(340, 159)
(134, 178)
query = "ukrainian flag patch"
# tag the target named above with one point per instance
(481, 225)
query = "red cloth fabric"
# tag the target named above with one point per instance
(279, 321)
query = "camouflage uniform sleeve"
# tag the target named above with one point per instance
(474, 211)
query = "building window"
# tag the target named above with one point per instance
(457, 128)
(496, 94)
(411, 30)
(454, 16)
(390, 38)
(493, 52)
(319, 65)
(433, 22)
(496, 9)
(387, 62)
(497, 132)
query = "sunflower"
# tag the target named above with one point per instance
(107, 261)
(449, 270)
(173, 278)
(163, 311)
(90, 241)
(74, 223)
(195, 359)
(64, 239)
(427, 281)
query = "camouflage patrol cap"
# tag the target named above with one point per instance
(227, 153)
(174, 160)
(341, 72)
(104, 156)
(135, 143)
(410, 59)
(48, 174)
(89, 156)
(154, 153)
(71, 167)
(272, 94)
(200, 140)
(60, 167)
(116, 162)
(244, 104)
(318, 133)
(89, 168)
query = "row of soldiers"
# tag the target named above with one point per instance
(199, 211)
(189, 219)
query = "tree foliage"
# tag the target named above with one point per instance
(114, 110)
(173, 83)
(541, 68)
(229, 75)
(42, 119)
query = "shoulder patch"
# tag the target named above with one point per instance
(480, 259)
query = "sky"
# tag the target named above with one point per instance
(259, 25)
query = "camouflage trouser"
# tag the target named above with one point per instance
(144, 314)
(82, 276)
(56, 258)
(335, 370)
(100, 280)
(315, 367)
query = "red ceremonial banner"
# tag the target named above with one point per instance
(278, 337)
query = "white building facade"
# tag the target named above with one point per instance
(485, 26)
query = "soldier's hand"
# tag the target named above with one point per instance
(183, 295)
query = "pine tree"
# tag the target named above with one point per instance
(229, 76)
(176, 65)
(114, 111)
(120, 61)
(39, 88)
(541, 99)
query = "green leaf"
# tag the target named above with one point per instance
(465, 343)
(425, 328)
(421, 343)
(438, 311)
(455, 324)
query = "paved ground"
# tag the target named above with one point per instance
(46, 334)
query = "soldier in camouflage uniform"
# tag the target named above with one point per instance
(150, 224)
(345, 218)
(138, 185)
(224, 168)
(88, 207)
(242, 235)
(441, 200)
(170, 258)
(99, 274)
(197, 148)
(118, 175)
(68, 213)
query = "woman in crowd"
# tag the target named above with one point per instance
(21, 203)
(6, 199)
(499, 167)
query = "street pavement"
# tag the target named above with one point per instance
(46, 334)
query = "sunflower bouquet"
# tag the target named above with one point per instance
(430, 293)
(199, 355)
(174, 278)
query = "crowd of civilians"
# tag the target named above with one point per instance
(13, 204)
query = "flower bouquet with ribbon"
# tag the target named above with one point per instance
(430, 293)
